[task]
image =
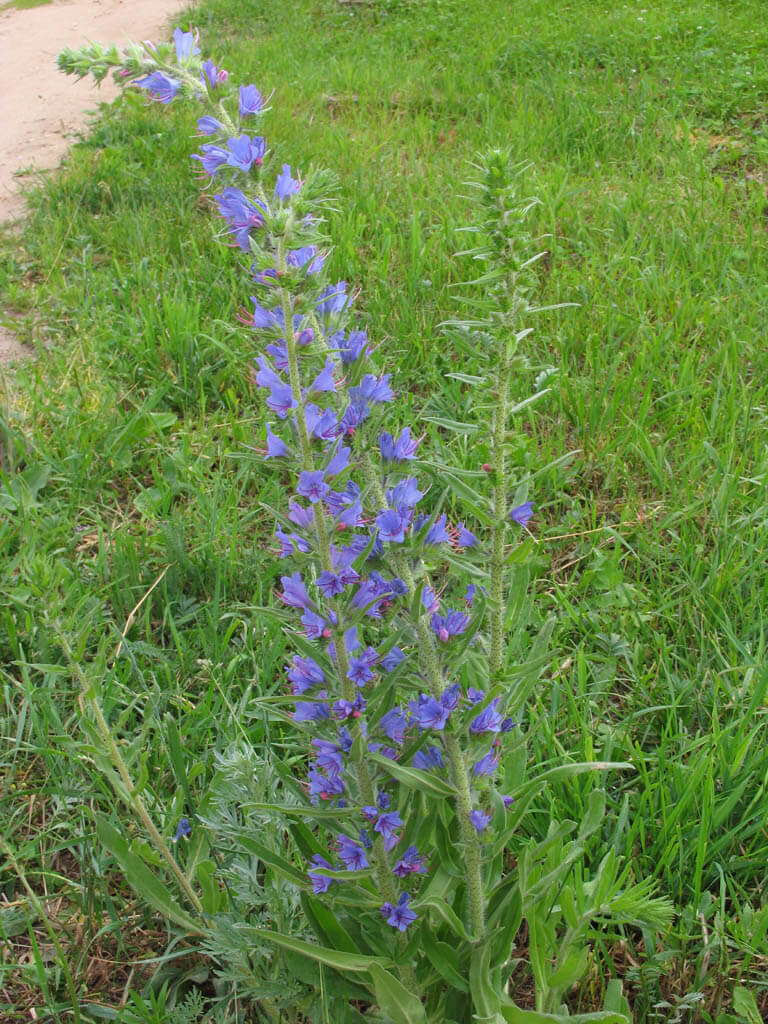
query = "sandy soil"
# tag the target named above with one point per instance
(40, 108)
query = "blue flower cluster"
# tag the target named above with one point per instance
(353, 527)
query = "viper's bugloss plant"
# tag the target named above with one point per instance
(397, 678)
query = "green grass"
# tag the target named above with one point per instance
(23, 5)
(126, 446)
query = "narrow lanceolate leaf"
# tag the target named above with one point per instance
(341, 961)
(291, 811)
(445, 960)
(486, 1000)
(567, 771)
(514, 1015)
(273, 860)
(446, 913)
(414, 778)
(326, 925)
(396, 1001)
(144, 881)
(452, 426)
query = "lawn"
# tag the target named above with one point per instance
(134, 510)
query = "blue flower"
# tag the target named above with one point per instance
(294, 592)
(245, 151)
(324, 380)
(329, 757)
(242, 215)
(400, 916)
(304, 673)
(428, 759)
(312, 486)
(208, 125)
(265, 318)
(448, 625)
(212, 74)
(322, 786)
(350, 709)
(410, 864)
(401, 449)
(466, 539)
(212, 156)
(522, 513)
(486, 765)
(392, 659)
(428, 713)
(315, 626)
(321, 882)
(312, 711)
(437, 533)
(183, 830)
(276, 448)
(352, 854)
(488, 720)
(285, 185)
(406, 493)
(359, 671)
(334, 299)
(159, 86)
(480, 820)
(349, 348)
(393, 524)
(393, 724)
(385, 825)
(185, 44)
(250, 100)
(303, 517)
(338, 463)
(450, 697)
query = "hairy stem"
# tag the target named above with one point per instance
(499, 529)
(363, 778)
(456, 761)
(135, 801)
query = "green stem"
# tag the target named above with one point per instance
(456, 761)
(499, 529)
(34, 899)
(363, 778)
(134, 800)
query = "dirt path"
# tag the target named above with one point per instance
(40, 108)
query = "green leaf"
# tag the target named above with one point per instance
(339, 960)
(142, 880)
(308, 811)
(615, 999)
(510, 916)
(744, 1002)
(444, 959)
(176, 754)
(401, 1005)
(594, 814)
(446, 913)
(567, 771)
(445, 844)
(326, 925)
(211, 895)
(571, 969)
(414, 778)
(485, 999)
(452, 426)
(514, 1015)
(467, 378)
(273, 860)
